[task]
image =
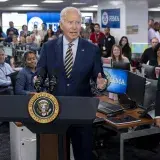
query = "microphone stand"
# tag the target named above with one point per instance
(52, 83)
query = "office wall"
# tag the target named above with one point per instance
(131, 13)
(117, 33)
(137, 14)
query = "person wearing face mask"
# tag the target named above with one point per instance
(106, 43)
(126, 49)
(24, 80)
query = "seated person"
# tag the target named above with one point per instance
(30, 45)
(155, 61)
(14, 40)
(116, 54)
(126, 49)
(24, 82)
(22, 41)
(9, 38)
(5, 69)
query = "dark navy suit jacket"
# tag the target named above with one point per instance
(87, 65)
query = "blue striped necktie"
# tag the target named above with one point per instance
(69, 60)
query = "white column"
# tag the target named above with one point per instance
(137, 14)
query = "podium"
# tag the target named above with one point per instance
(73, 111)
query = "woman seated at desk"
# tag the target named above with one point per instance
(116, 54)
(24, 81)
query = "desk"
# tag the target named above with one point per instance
(131, 133)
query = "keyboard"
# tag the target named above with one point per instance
(122, 119)
(108, 108)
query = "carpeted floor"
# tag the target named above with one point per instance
(111, 151)
(4, 143)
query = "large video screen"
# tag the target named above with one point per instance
(117, 80)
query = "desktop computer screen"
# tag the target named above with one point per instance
(117, 80)
(149, 71)
(136, 88)
(121, 65)
(139, 47)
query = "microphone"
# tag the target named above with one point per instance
(52, 80)
(40, 79)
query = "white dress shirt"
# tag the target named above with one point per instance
(74, 48)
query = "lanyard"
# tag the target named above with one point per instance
(97, 37)
(104, 41)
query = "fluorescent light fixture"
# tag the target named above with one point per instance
(13, 13)
(76, 3)
(154, 9)
(88, 9)
(94, 6)
(29, 5)
(50, 1)
(116, 3)
(3, 0)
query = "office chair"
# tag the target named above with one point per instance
(13, 79)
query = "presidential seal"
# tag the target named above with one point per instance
(43, 107)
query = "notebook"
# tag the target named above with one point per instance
(122, 119)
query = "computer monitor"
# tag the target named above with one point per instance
(121, 65)
(136, 88)
(117, 80)
(139, 48)
(149, 71)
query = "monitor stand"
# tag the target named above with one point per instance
(126, 102)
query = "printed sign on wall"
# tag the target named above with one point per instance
(37, 18)
(110, 18)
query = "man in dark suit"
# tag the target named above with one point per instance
(77, 61)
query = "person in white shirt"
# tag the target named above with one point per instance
(43, 32)
(38, 38)
(151, 31)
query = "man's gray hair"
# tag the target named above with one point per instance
(65, 10)
(2, 50)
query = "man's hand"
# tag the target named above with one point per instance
(101, 82)
(157, 121)
(32, 93)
